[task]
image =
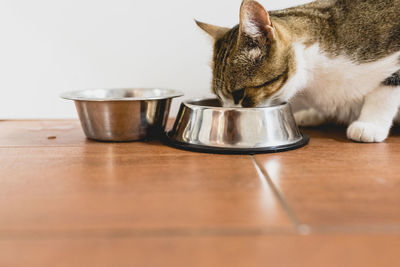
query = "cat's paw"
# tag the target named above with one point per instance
(309, 118)
(367, 132)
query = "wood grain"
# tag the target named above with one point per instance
(68, 201)
(335, 182)
(42, 133)
(116, 187)
(272, 250)
(68, 133)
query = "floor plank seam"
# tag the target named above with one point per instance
(44, 146)
(356, 229)
(300, 228)
(140, 233)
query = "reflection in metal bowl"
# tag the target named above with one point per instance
(206, 126)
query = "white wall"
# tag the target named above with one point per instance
(51, 46)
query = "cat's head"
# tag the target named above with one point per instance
(252, 61)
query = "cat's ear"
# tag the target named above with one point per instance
(215, 32)
(255, 20)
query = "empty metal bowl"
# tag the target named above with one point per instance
(123, 114)
(205, 126)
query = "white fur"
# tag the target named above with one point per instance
(338, 88)
(309, 117)
(229, 103)
(297, 82)
(254, 53)
(250, 28)
(249, 24)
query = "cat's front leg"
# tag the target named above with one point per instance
(309, 118)
(377, 114)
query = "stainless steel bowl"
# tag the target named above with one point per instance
(207, 127)
(122, 114)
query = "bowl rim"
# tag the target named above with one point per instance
(171, 141)
(193, 106)
(76, 95)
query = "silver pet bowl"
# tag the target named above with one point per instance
(205, 126)
(123, 114)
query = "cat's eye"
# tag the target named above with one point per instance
(269, 82)
(238, 95)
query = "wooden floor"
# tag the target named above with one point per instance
(67, 201)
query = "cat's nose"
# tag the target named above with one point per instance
(238, 96)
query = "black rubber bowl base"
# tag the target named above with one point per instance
(167, 140)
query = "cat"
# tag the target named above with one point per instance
(340, 57)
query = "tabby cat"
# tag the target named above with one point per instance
(341, 57)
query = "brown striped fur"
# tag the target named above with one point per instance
(254, 67)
